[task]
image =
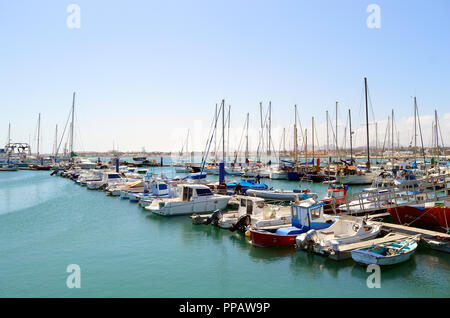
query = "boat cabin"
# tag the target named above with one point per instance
(250, 205)
(309, 214)
(336, 193)
(194, 191)
(159, 188)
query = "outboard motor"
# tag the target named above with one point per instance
(214, 218)
(242, 223)
(303, 240)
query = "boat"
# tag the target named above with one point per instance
(194, 198)
(355, 175)
(282, 195)
(345, 230)
(371, 199)
(430, 215)
(107, 178)
(386, 253)
(9, 167)
(335, 195)
(305, 215)
(247, 184)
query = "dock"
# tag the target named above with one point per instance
(436, 240)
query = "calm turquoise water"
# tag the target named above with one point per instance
(47, 223)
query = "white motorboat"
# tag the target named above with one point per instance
(194, 198)
(345, 230)
(257, 212)
(107, 178)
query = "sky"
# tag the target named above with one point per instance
(146, 72)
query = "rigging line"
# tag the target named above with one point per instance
(64, 131)
(216, 118)
(240, 141)
(440, 132)
(212, 133)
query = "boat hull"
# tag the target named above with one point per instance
(173, 208)
(268, 239)
(437, 218)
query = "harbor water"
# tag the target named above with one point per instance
(48, 223)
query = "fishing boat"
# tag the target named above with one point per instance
(305, 215)
(386, 253)
(282, 195)
(335, 195)
(194, 198)
(252, 211)
(344, 230)
(431, 215)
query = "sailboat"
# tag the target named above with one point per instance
(351, 174)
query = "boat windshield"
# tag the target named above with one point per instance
(113, 176)
(204, 192)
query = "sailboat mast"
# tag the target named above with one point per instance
(261, 149)
(38, 132)
(351, 136)
(306, 146)
(312, 132)
(392, 137)
(436, 136)
(269, 129)
(228, 136)
(415, 128)
(367, 123)
(246, 139)
(336, 135)
(72, 124)
(223, 130)
(215, 136)
(295, 136)
(328, 143)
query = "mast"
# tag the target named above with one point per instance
(367, 123)
(38, 132)
(328, 144)
(295, 136)
(223, 130)
(351, 136)
(261, 149)
(312, 132)
(269, 137)
(228, 137)
(415, 128)
(437, 138)
(246, 139)
(72, 124)
(392, 137)
(306, 147)
(337, 148)
(215, 138)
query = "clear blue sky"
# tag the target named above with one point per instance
(146, 71)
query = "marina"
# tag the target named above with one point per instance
(225, 157)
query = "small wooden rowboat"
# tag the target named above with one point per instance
(386, 254)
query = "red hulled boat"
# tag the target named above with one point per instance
(434, 216)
